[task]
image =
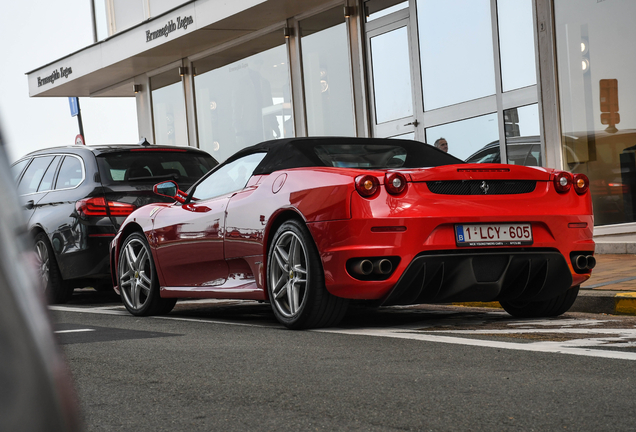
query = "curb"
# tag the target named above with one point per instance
(588, 301)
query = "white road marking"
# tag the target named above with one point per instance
(102, 311)
(546, 347)
(74, 331)
(213, 321)
(590, 347)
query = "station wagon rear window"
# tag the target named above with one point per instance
(153, 166)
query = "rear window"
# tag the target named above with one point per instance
(152, 166)
(361, 156)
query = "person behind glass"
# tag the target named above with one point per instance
(441, 144)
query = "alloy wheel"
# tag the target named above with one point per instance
(135, 280)
(42, 257)
(288, 274)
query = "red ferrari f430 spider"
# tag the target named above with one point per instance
(309, 224)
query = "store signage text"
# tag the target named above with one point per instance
(169, 27)
(63, 72)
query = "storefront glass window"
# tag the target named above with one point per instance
(327, 75)
(375, 9)
(244, 102)
(391, 75)
(598, 111)
(456, 50)
(168, 109)
(467, 137)
(101, 24)
(516, 44)
(523, 143)
(157, 7)
(127, 13)
(406, 136)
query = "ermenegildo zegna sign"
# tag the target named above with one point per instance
(169, 27)
(55, 75)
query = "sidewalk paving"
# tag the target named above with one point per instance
(611, 289)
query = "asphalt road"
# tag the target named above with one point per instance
(225, 366)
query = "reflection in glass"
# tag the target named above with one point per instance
(168, 109)
(391, 75)
(466, 137)
(522, 121)
(378, 8)
(456, 51)
(244, 103)
(592, 40)
(516, 44)
(327, 82)
(228, 178)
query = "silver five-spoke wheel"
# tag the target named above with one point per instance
(135, 280)
(138, 284)
(288, 274)
(296, 282)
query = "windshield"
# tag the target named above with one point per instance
(153, 166)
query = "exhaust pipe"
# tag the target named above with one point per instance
(580, 262)
(362, 267)
(382, 266)
(591, 262)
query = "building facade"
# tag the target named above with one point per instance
(534, 82)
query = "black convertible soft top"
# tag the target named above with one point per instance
(337, 151)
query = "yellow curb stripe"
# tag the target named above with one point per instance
(625, 303)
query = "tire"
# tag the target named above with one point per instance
(138, 281)
(55, 289)
(542, 309)
(296, 281)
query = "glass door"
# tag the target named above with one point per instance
(391, 72)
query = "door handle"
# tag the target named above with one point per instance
(29, 205)
(414, 123)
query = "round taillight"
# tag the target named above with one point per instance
(563, 181)
(367, 185)
(395, 183)
(581, 183)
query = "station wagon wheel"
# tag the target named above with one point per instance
(295, 281)
(55, 288)
(138, 282)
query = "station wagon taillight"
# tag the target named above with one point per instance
(98, 206)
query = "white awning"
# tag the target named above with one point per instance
(108, 67)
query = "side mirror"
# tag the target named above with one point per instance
(169, 189)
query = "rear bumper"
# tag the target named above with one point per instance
(432, 268)
(526, 275)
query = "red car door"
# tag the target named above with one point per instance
(190, 237)
(189, 242)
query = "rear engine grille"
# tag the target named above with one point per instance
(481, 187)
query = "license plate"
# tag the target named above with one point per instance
(517, 234)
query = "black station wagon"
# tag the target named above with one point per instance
(76, 197)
